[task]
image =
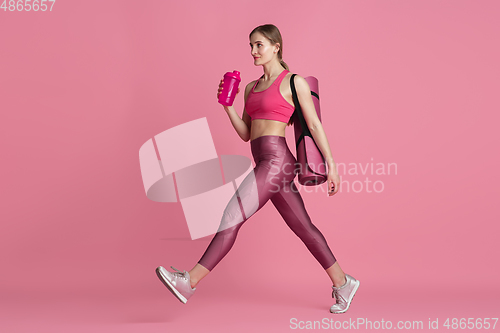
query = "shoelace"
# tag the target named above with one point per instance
(337, 296)
(178, 274)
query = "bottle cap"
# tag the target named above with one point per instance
(234, 74)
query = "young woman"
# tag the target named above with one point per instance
(268, 109)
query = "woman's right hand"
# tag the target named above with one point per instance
(220, 89)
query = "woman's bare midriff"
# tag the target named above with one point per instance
(262, 127)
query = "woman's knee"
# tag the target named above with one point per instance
(231, 218)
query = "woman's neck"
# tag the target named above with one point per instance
(272, 70)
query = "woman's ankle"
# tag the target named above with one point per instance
(193, 281)
(339, 282)
(197, 274)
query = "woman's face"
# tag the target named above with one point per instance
(261, 49)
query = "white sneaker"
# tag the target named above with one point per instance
(179, 283)
(344, 294)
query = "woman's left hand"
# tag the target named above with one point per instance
(333, 181)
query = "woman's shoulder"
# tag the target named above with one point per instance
(248, 88)
(251, 83)
(296, 78)
(300, 83)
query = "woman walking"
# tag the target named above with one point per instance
(268, 110)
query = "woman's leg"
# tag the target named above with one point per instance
(336, 274)
(291, 207)
(272, 167)
(197, 273)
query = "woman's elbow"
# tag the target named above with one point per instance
(314, 126)
(247, 134)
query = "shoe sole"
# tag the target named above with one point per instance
(348, 303)
(170, 287)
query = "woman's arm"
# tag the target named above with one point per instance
(241, 125)
(316, 129)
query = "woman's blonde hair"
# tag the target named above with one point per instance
(271, 32)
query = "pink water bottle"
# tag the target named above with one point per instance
(229, 88)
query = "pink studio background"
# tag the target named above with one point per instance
(83, 87)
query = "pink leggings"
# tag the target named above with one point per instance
(272, 178)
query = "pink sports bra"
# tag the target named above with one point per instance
(269, 103)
